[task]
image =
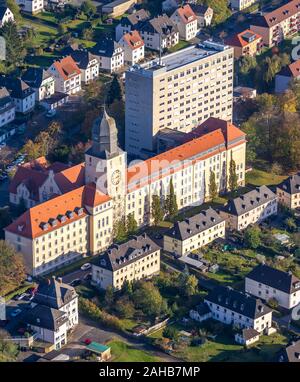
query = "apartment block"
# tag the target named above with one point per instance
(250, 208)
(288, 192)
(178, 91)
(279, 24)
(269, 283)
(136, 259)
(195, 232)
(239, 5)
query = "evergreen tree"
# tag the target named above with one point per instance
(109, 295)
(120, 232)
(131, 225)
(213, 190)
(115, 92)
(15, 50)
(156, 209)
(232, 175)
(171, 201)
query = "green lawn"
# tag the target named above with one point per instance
(259, 177)
(182, 44)
(122, 352)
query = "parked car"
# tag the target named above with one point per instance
(15, 313)
(21, 296)
(86, 266)
(75, 282)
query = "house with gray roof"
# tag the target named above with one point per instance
(247, 336)
(288, 192)
(60, 296)
(129, 23)
(23, 96)
(291, 353)
(6, 15)
(110, 55)
(195, 232)
(49, 324)
(159, 33)
(138, 258)
(40, 81)
(239, 309)
(7, 107)
(253, 207)
(270, 283)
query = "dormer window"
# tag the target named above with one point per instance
(44, 226)
(70, 214)
(79, 211)
(53, 222)
(62, 218)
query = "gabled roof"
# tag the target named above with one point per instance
(17, 88)
(67, 67)
(56, 212)
(249, 201)
(186, 14)
(249, 333)
(275, 278)
(45, 317)
(243, 39)
(4, 96)
(54, 293)
(278, 15)
(133, 40)
(292, 70)
(291, 185)
(160, 24)
(291, 353)
(238, 302)
(34, 77)
(82, 58)
(121, 255)
(194, 225)
(106, 48)
(200, 9)
(135, 18)
(70, 178)
(3, 11)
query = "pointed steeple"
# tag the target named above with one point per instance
(105, 135)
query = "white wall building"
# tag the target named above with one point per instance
(31, 6)
(134, 47)
(7, 107)
(67, 75)
(5, 16)
(186, 21)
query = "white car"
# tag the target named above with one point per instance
(86, 266)
(21, 296)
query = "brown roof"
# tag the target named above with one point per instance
(292, 70)
(186, 13)
(30, 223)
(280, 14)
(239, 41)
(67, 67)
(133, 39)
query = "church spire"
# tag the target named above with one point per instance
(105, 135)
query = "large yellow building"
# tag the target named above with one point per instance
(79, 222)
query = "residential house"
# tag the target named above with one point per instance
(253, 207)
(194, 232)
(186, 21)
(7, 107)
(87, 63)
(203, 13)
(37, 181)
(110, 55)
(239, 309)
(118, 7)
(268, 283)
(247, 337)
(22, 95)
(291, 353)
(138, 258)
(31, 6)
(5, 15)
(286, 76)
(246, 43)
(200, 313)
(60, 296)
(278, 24)
(41, 81)
(48, 324)
(288, 192)
(134, 47)
(130, 22)
(67, 75)
(242, 93)
(239, 5)
(159, 33)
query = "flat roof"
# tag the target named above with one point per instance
(97, 348)
(182, 57)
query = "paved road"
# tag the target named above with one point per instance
(78, 274)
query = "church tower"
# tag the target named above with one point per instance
(105, 162)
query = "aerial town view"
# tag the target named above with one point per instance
(149, 182)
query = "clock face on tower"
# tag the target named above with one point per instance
(116, 177)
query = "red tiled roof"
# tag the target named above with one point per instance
(67, 67)
(293, 69)
(133, 39)
(187, 14)
(29, 224)
(280, 14)
(210, 135)
(239, 41)
(70, 178)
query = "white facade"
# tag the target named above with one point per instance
(114, 63)
(46, 89)
(7, 113)
(58, 337)
(69, 86)
(8, 16)
(25, 104)
(132, 55)
(91, 72)
(31, 6)
(265, 292)
(187, 29)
